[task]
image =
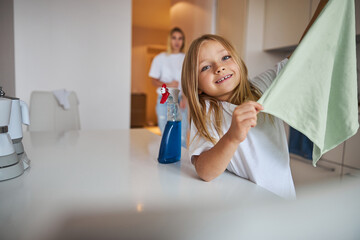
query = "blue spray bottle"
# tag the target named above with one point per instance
(170, 147)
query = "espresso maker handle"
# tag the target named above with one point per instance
(24, 113)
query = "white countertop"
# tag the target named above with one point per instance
(118, 170)
(101, 184)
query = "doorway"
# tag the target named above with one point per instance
(150, 26)
(151, 22)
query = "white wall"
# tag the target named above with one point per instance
(231, 22)
(83, 46)
(194, 17)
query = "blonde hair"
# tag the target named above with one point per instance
(198, 112)
(168, 47)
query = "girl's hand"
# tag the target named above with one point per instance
(244, 117)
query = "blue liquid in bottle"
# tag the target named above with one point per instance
(170, 148)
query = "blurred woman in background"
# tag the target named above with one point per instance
(166, 69)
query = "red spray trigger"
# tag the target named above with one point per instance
(165, 93)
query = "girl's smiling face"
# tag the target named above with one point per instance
(219, 74)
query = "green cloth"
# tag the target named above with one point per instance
(316, 92)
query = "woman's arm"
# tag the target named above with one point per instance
(318, 10)
(213, 162)
(157, 83)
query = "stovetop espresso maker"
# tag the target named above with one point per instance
(13, 159)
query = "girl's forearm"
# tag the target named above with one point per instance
(213, 162)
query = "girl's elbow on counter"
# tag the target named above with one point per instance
(206, 179)
(205, 175)
(205, 171)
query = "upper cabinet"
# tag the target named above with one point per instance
(286, 20)
(314, 4)
(351, 153)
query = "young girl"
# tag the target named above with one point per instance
(224, 113)
(227, 129)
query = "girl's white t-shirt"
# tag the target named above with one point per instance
(167, 67)
(263, 157)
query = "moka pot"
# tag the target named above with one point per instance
(19, 115)
(10, 166)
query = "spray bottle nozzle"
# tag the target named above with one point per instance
(165, 93)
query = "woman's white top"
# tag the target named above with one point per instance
(263, 157)
(167, 67)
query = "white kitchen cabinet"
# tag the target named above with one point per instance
(347, 153)
(350, 172)
(335, 155)
(352, 151)
(314, 4)
(285, 22)
(304, 173)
